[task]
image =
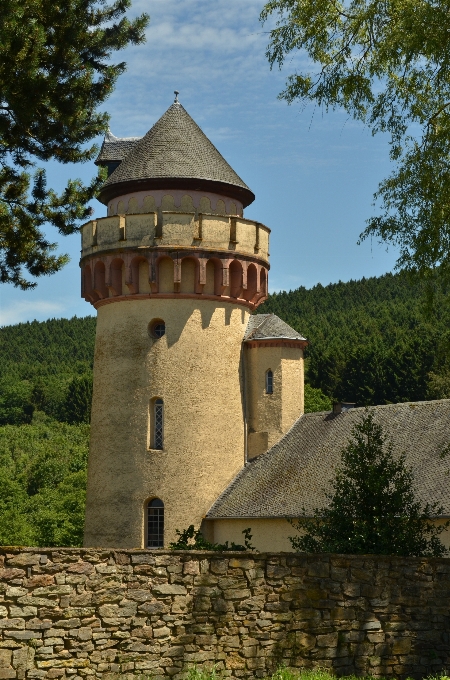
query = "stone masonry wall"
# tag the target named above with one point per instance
(76, 613)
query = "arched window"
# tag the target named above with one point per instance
(158, 419)
(155, 523)
(269, 382)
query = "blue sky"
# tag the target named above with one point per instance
(313, 172)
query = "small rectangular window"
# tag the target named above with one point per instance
(269, 382)
(155, 524)
(159, 425)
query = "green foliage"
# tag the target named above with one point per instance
(56, 69)
(284, 673)
(316, 400)
(387, 65)
(439, 385)
(193, 539)
(16, 407)
(77, 407)
(372, 508)
(47, 366)
(209, 673)
(370, 341)
(43, 481)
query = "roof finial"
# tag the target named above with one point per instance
(176, 93)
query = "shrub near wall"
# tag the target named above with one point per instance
(76, 613)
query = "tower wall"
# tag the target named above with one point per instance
(271, 415)
(196, 369)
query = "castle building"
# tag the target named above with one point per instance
(197, 412)
(188, 386)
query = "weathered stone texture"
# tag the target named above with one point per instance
(74, 613)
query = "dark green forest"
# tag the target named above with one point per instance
(46, 367)
(372, 341)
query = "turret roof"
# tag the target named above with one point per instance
(270, 326)
(115, 148)
(174, 149)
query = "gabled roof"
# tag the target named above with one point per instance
(175, 152)
(115, 148)
(269, 326)
(296, 472)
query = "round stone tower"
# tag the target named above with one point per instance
(174, 272)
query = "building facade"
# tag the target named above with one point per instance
(188, 385)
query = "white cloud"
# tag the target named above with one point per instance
(29, 310)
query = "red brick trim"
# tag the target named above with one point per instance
(178, 296)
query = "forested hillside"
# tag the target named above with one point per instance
(369, 343)
(47, 367)
(370, 340)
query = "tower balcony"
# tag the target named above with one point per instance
(175, 254)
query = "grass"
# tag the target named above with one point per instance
(284, 673)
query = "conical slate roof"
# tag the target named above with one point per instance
(175, 153)
(270, 326)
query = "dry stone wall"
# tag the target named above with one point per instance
(77, 613)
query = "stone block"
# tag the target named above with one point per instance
(327, 640)
(5, 658)
(401, 646)
(319, 568)
(191, 568)
(165, 589)
(237, 594)
(23, 560)
(16, 623)
(15, 591)
(275, 571)
(174, 652)
(241, 563)
(6, 673)
(24, 612)
(23, 658)
(80, 568)
(371, 625)
(219, 566)
(23, 634)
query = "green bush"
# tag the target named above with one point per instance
(316, 400)
(193, 539)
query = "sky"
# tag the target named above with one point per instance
(313, 172)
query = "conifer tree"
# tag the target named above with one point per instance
(78, 400)
(372, 507)
(56, 69)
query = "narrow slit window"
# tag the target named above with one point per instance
(269, 382)
(155, 523)
(159, 425)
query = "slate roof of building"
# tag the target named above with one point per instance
(115, 148)
(295, 472)
(175, 147)
(265, 326)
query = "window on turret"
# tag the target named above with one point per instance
(155, 523)
(159, 424)
(157, 328)
(269, 382)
